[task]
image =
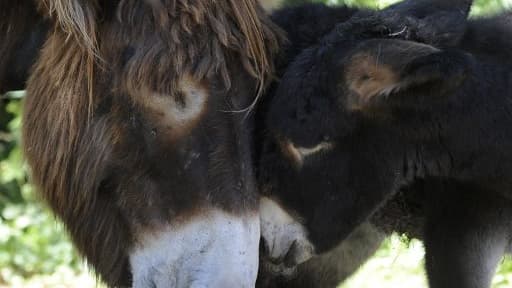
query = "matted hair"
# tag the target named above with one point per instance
(241, 26)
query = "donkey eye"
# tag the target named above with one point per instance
(365, 77)
(299, 154)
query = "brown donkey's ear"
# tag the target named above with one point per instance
(405, 80)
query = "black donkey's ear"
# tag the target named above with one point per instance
(424, 8)
(440, 23)
(415, 79)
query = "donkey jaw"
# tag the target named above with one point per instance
(215, 250)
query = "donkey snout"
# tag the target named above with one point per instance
(284, 239)
(215, 250)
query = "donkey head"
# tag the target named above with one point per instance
(132, 133)
(325, 95)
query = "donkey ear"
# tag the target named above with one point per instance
(423, 8)
(418, 84)
(440, 23)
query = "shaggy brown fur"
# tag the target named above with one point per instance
(84, 126)
(182, 18)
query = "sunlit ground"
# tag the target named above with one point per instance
(398, 264)
(62, 278)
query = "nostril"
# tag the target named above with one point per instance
(299, 252)
(289, 258)
(264, 247)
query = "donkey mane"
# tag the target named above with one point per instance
(70, 128)
(238, 26)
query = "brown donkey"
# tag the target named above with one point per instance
(138, 137)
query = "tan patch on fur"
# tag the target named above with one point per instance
(178, 113)
(298, 154)
(368, 78)
(291, 153)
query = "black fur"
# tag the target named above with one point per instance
(459, 140)
(305, 26)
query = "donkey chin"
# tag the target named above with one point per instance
(188, 254)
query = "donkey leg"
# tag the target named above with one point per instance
(466, 236)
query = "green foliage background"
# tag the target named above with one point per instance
(35, 250)
(32, 242)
